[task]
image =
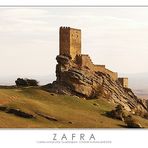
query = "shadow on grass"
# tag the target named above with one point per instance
(106, 114)
(124, 126)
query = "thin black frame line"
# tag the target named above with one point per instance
(74, 6)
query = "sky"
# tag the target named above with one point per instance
(113, 36)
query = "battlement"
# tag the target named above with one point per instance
(63, 27)
(68, 28)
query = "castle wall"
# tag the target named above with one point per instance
(85, 61)
(114, 75)
(102, 68)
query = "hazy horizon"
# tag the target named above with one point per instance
(137, 81)
(115, 37)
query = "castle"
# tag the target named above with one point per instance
(70, 45)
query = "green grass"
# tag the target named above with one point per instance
(82, 113)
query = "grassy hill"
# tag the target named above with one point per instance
(50, 110)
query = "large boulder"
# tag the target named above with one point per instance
(132, 122)
(118, 113)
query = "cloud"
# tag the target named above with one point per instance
(42, 20)
(24, 20)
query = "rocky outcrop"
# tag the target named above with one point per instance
(82, 81)
(16, 112)
(131, 122)
(118, 113)
(121, 114)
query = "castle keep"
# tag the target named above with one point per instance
(70, 45)
(70, 42)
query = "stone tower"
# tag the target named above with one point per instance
(70, 42)
(124, 82)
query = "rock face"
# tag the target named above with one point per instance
(82, 81)
(131, 122)
(118, 113)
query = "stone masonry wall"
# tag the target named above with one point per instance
(102, 68)
(70, 42)
(64, 37)
(85, 61)
(75, 42)
(124, 82)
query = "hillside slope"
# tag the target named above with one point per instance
(50, 110)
